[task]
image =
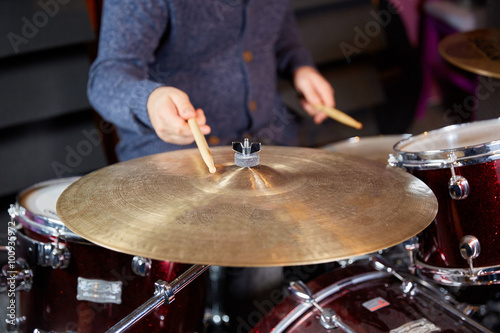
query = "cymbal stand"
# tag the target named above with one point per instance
(164, 292)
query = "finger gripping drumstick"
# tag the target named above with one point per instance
(199, 138)
(339, 116)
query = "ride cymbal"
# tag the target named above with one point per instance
(476, 51)
(299, 206)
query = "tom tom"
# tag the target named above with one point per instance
(76, 286)
(461, 165)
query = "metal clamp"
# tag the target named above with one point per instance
(246, 154)
(328, 319)
(458, 186)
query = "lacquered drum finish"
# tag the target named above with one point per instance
(53, 305)
(367, 301)
(477, 215)
(472, 151)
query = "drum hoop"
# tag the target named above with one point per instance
(299, 310)
(440, 158)
(43, 225)
(457, 277)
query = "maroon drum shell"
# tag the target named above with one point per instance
(347, 303)
(477, 215)
(52, 302)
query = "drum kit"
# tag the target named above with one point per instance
(109, 251)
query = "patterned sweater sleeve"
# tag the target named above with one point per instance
(119, 81)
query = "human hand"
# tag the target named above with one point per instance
(169, 109)
(315, 90)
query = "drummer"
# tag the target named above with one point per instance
(162, 62)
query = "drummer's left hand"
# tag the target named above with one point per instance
(315, 89)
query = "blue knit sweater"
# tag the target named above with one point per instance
(225, 54)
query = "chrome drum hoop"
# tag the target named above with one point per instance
(458, 277)
(43, 225)
(437, 158)
(302, 308)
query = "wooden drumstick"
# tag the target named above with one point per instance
(339, 116)
(202, 144)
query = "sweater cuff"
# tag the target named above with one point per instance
(139, 100)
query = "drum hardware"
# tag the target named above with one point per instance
(246, 155)
(458, 186)
(141, 266)
(470, 248)
(409, 286)
(328, 318)
(55, 255)
(411, 246)
(19, 272)
(164, 293)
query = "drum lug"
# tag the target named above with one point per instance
(458, 186)
(53, 255)
(329, 319)
(470, 248)
(141, 266)
(394, 162)
(18, 274)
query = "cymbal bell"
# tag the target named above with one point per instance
(300, 206)
(476, 51)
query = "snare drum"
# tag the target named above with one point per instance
(375, 148)
(366, 300)
(461, 165)
(77, 286)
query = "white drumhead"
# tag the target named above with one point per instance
(375, 148)
(42, 201)
(454, 137)
(36, 206)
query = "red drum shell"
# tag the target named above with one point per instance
(477, 215)
(473, 151)
(348, 301)
(52, 304)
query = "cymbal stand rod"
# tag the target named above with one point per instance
(164, 292)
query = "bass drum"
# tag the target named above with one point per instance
(367, 300)
(77, 286)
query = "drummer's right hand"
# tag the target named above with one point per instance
(169, 109)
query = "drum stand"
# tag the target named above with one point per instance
(164, 292)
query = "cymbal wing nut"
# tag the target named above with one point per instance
(246, 155)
